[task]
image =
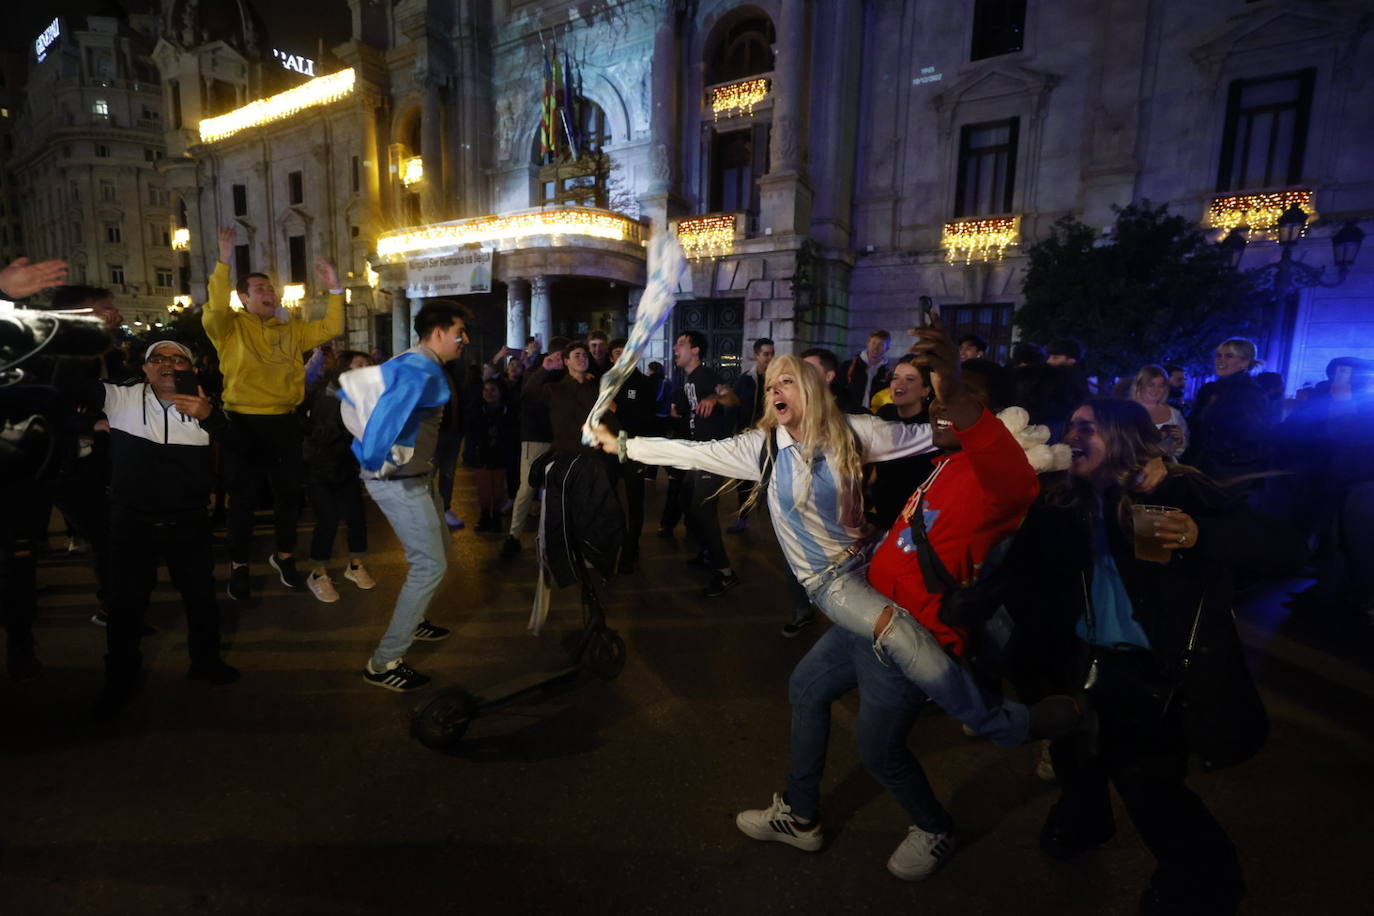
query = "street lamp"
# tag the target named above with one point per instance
(1285, 278)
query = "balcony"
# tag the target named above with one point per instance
(1257, 210)
(984, 238)
(710, 235)
(509, 231)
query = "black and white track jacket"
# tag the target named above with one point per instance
(160, 460)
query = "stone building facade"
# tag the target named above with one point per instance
(87, 145)
(826, 163)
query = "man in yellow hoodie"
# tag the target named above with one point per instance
(262, 355)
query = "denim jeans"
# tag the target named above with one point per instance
(413, 510)
(888, 706)
(842, 592)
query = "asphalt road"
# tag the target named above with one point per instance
(299, 791)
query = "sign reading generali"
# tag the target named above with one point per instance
(47, 39)
(457, 274)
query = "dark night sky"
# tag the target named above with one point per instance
(295, 25)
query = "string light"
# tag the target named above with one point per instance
(292, 294)
(738, 98)
(1258, 211)
(985, 238)
(707, 236)
(577, 221)
(412, 171)
(319, 91)
(181, 239)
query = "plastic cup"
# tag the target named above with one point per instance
(1147, 544)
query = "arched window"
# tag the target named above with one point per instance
(744, 48)
(576, 170)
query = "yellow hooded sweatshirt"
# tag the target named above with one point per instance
(263, 358)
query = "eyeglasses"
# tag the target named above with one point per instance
(159, 359)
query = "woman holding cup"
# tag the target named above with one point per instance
(1131, 602)
(1151, 391)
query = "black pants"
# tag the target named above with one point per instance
(332, 501)
(672, 505)
(632, 476)
(1143, 753)
(446, 452)
(699, 508)
(136, 547)
(270, 447)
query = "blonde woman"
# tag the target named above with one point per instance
(1151, 391)
(808, 456)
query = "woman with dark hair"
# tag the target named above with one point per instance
(1132, 603)
(332, 482)
(894, 481)
(493, 434)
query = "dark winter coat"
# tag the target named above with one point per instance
(1184, 606)
(582, 518)
(329, 457)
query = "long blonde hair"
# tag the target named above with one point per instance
(824, 430)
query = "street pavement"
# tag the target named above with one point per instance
(298, 790)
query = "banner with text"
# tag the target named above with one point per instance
(457, 274)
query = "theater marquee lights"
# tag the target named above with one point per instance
(985, 238)
(737, 98)
(484, 230)
(319, 91)
(707, 236)
(1260, 212)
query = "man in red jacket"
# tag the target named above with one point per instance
(975, 499)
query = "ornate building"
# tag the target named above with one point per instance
(824, 163)
(87, 143)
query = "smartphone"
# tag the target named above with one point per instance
(186, 382)
(929, 311)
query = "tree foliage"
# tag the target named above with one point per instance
(1154, 291)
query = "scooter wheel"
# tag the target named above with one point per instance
(606, 655)
(441, 723)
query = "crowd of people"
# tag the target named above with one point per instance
(974, 531)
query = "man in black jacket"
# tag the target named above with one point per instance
(159, 487)
(868, 373)
(635, 409)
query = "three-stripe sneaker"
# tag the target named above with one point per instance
(777, 823)
(920, 854)
(397, 675)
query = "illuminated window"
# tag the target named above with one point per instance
(1266, 132)
(100, 108)
(4, 112)
(999, 27)
(987, 168)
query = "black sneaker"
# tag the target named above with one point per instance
(701, 561)
(397, 675)
(428, 632)
(240, 587)
(720, 584)
(286, 568)
(794, 628)
(511, 547)
(102, 619)
(216, 672)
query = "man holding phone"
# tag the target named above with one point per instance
(160, 431)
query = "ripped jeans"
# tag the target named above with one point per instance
(842, 592)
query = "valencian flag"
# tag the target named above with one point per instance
(572, 98)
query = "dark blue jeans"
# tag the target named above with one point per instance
(888, 705)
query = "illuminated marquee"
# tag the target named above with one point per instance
(1260, 212)
(46, 39)
(985, 238)
(738, 98)
(707, 236)
(582, 221)
(320, 91)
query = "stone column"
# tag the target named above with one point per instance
(432, 153)
(786, 196)
(659, 200)
(517, 304)
(401, 321)
(541, 315)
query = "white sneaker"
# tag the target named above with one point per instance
(920, 854)
(777, 823)
(360, 577)
(322, 587)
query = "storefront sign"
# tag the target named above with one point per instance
(294, 62)
(457, 274)
(47, 40)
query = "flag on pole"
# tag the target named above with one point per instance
(556, 102)
(548, 136)
(571, 102)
